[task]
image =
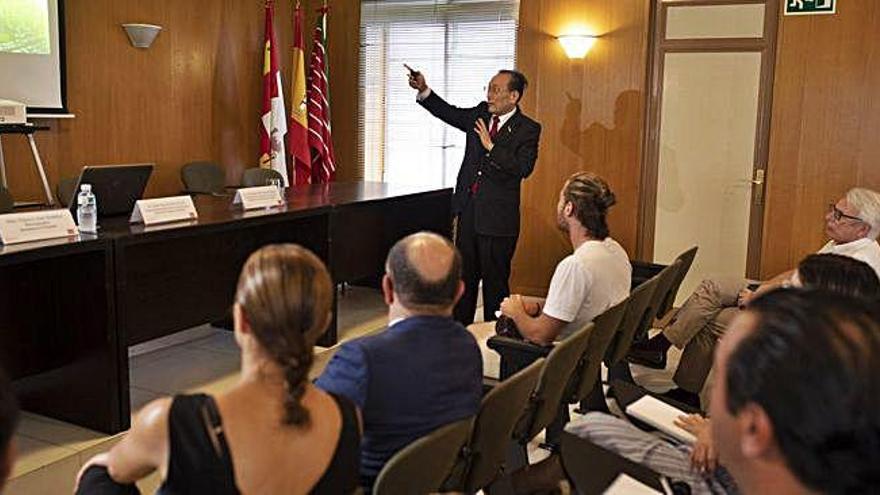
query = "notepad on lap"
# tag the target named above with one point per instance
(626, 485)
(660, 415)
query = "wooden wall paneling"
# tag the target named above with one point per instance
(592, 116)
(824, 126)
(195, 94)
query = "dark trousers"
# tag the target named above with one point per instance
(483, 257)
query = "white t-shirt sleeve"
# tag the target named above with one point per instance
(568, 289)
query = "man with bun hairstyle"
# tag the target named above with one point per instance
(593, 278)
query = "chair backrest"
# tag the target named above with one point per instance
(588, 371)
(422, 466)
(258, 176)
(482, 460)
(203, 178)
(558, 369)
(687, 259)
(665, 279)
(635, 314)
(6, 202)
(65, 190)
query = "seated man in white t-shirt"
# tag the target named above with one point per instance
(852, 224)
(593, 278)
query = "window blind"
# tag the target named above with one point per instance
(458, 45)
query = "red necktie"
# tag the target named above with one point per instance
(493, 129)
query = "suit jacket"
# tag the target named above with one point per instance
(499, 172)
(416, 376)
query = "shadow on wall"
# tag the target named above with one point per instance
(613, 153)
(598, 146)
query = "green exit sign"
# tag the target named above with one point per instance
(810, 7)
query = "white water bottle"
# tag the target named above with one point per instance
(87, 210)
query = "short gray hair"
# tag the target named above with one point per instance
(868, 204)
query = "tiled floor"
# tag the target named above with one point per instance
(203, 359)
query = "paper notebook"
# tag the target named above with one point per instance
(625, 485)
(660, 415)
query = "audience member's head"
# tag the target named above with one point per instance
(855, 216)
(283, 304)
(8, 421)
(837, 273)
(585, 198)
(423, 275)
(797, 400)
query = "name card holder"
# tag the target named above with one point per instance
(36, 226)
(251, 198)
(164, 210)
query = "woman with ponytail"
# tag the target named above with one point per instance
(271, 433)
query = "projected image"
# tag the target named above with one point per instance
(24, 26)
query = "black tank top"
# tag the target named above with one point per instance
(199, 460)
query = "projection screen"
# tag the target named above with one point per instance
(32, 61)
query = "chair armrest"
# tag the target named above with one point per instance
(516, 354)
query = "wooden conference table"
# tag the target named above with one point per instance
(69, 308)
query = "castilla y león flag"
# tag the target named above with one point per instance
(274, 121)
(320, 141)
(298, 139)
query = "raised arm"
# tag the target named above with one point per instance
(460, 118)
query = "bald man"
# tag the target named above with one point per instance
(422, 372)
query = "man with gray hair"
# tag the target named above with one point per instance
(852, 225)
(425, 370)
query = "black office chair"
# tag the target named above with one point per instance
(65, 190)
(259, 177)
(203, 178)
(6, 202)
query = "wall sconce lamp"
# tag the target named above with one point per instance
(576, 45)
(141, 35)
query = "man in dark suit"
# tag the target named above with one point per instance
(425, 370)
(501, 149)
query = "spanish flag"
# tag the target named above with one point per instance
(298, 139)
(274, 128)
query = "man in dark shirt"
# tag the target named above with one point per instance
(422, 372)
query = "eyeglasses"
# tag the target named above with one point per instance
(837, 214)
(494, 90)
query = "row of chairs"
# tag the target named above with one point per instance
(537, 384)
(197, 178)
(209, 178)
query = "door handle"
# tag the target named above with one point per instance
(759, 177)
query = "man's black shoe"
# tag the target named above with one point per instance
(651, 358)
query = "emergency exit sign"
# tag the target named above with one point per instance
(809, 7)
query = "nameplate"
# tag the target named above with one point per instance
(251, 198)
(164, 210)
(36, 226)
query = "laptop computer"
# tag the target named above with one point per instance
(116, 187)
